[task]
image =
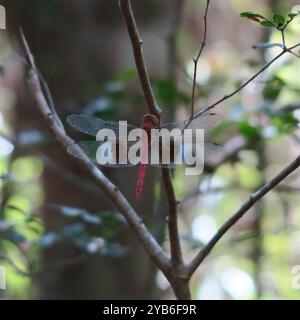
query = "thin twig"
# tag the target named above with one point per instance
(294, 54)
(49, 98)
(137, 43)
(149, 243)
(252, 200)
(246, 83)
(283, 38)
(196, 60)
(234, 187)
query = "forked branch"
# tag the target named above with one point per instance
(247, 82)
(174, 269)
(136, 42)
(196, 60)
(147, 240)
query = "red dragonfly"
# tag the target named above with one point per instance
(91, 125)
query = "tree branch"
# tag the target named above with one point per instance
(177, 278)
(196, 60)
(246, 83)
(137, 43)
(149, 243)
(240, 213)
(176, 252)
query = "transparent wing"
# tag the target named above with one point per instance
(177, 157)
(208, 121)
(91, 125)
(112, 152)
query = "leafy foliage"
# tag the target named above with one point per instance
(278, 21)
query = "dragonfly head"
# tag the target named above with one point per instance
(150, 119)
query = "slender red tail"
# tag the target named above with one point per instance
(140, 183)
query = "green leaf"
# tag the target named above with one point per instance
(261, 19)
(247, 130)
(266, 23)
(293, 15)
(273, 89)
(285, 123)
(168, 94)
(112, 220)
(278, 19)
(251, 15)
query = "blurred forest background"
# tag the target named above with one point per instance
(60, 237)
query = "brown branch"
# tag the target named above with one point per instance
(176, 252)
(149, 243)
(235, 187)
(252, 200)
(196, 60)
(137, 43)
(177, 279)
(125, 6)
(246, 83)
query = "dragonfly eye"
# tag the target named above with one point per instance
(150, 119)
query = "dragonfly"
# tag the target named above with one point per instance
(90, 125)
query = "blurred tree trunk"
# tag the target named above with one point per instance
(77, 43)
